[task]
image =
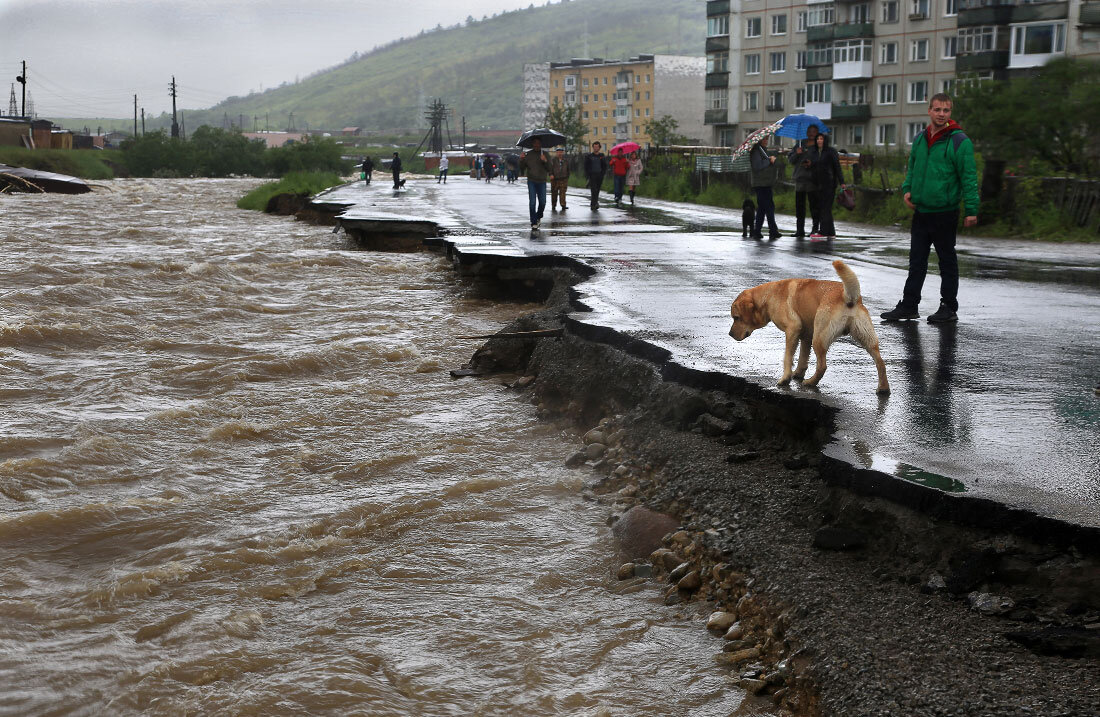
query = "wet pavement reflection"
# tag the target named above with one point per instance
(1000, 406)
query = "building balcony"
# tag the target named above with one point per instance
(715, 116)
(1090, 14)
(624, 102)
(819, 33)
(815, 73)
(622, 85)
(850, 113)
(821, 110)
(853, 30)
(718, 7)
(999, 15)
(718, 44)
(717, 79)
(980, 61)
(860, 70)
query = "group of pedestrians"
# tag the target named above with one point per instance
(817, 174)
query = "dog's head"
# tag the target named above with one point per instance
(746, 316)
(748, 206)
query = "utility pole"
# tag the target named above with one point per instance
(143, 121)
(463, 133)
(290, 127)
(22, 79)
(135, 117)
(240, 120)
(175, 124)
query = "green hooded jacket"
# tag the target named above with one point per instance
(941, 176)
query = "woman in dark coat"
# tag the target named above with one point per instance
(827, 174)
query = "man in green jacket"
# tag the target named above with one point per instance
(941, 174)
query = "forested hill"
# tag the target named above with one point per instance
(476, 68)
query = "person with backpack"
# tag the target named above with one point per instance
(395, 167)
(368, 168)
(595, 167)
(941, 174)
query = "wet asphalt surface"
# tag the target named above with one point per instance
(1000, 405)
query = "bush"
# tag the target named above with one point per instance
(86, 164)
(303, 183)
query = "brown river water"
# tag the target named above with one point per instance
(237, 478)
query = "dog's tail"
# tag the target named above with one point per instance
(851, 283)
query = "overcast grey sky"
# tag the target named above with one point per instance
(88, 58)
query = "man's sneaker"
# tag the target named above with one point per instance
(899, 313)
(535, 227)
(775, 236)
(943, 315)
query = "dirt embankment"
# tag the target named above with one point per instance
(831, 601)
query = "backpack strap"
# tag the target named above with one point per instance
(957, 139)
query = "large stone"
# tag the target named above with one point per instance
(594, 436)
(595, 450)
(735, 632)
(626, 571)
(720, 621)
(690, 582)
(640, 530)
(576, 460)
(990, 604)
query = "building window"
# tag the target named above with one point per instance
(752, 27)
(586, 82)
(647, 112)
(890, 11)
(800, 21)
(918, 10)
(605, 97)
(976, 39)
(570, 81)
(913, 130)
(752, 64)
(800, 98)
(778, 61)
(820, 15)
(717, 99)
(800, 60)
(775, 101)
(819, 54)
(888, 53)
(752, 101)
(718, 62)
(570, 98)
(950, 8)
(855, 134)
(857, 95)
(779, 24)
(637, 96)
(887, 134)
(637, 129)
(647, 95)
(918, 50)
(605, 114)
(1038, 39)
(888, 94)
(860, 13)
(555, 83)
(647, 79)
(948, 86)
(637, 113)
(819, 91)
(852, 51)
(950, 46)
(718, 25)
(638, 78)
(918, 91)
(585, 114)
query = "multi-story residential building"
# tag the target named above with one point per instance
(869, 67)
(617, 98)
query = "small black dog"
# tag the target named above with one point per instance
(748, 218)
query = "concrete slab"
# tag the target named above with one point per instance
(1000, 406)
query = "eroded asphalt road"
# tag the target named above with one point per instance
(1000, 405)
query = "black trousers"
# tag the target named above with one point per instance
(396, 178)
(802, 197)
(595, 183)
(825, 197)
(936, 229)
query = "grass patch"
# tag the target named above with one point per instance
(306, 183)
(86, 164)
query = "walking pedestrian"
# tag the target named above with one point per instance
(941, 174)
(536, 164)
(763, 181)
(595, 167)
(512, 162)
(444, 165)
(827, 173)
(804, 184)
(395, 167)
(559, 179)
(477, 167)
(620, 165)
(634, 175)
(368, 168)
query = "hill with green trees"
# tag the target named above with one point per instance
(475, 68)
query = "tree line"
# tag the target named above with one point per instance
(215, 152)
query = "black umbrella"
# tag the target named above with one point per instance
(549, 138)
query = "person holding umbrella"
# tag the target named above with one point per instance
(595, 167)
(804, 188)
(634, 175)
(763, 180)
(536, 165)
(620, 165)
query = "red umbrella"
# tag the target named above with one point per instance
(625, 148)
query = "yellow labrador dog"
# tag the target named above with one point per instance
(813, 312)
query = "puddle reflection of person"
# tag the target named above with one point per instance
(930, 384)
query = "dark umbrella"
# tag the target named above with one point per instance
(549, 138)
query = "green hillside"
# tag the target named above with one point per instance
(476, 69)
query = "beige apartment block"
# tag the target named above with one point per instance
(617, 98)
(869, 67)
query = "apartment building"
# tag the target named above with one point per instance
(869, 67)
(616, 98)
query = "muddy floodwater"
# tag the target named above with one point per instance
(237, 478)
